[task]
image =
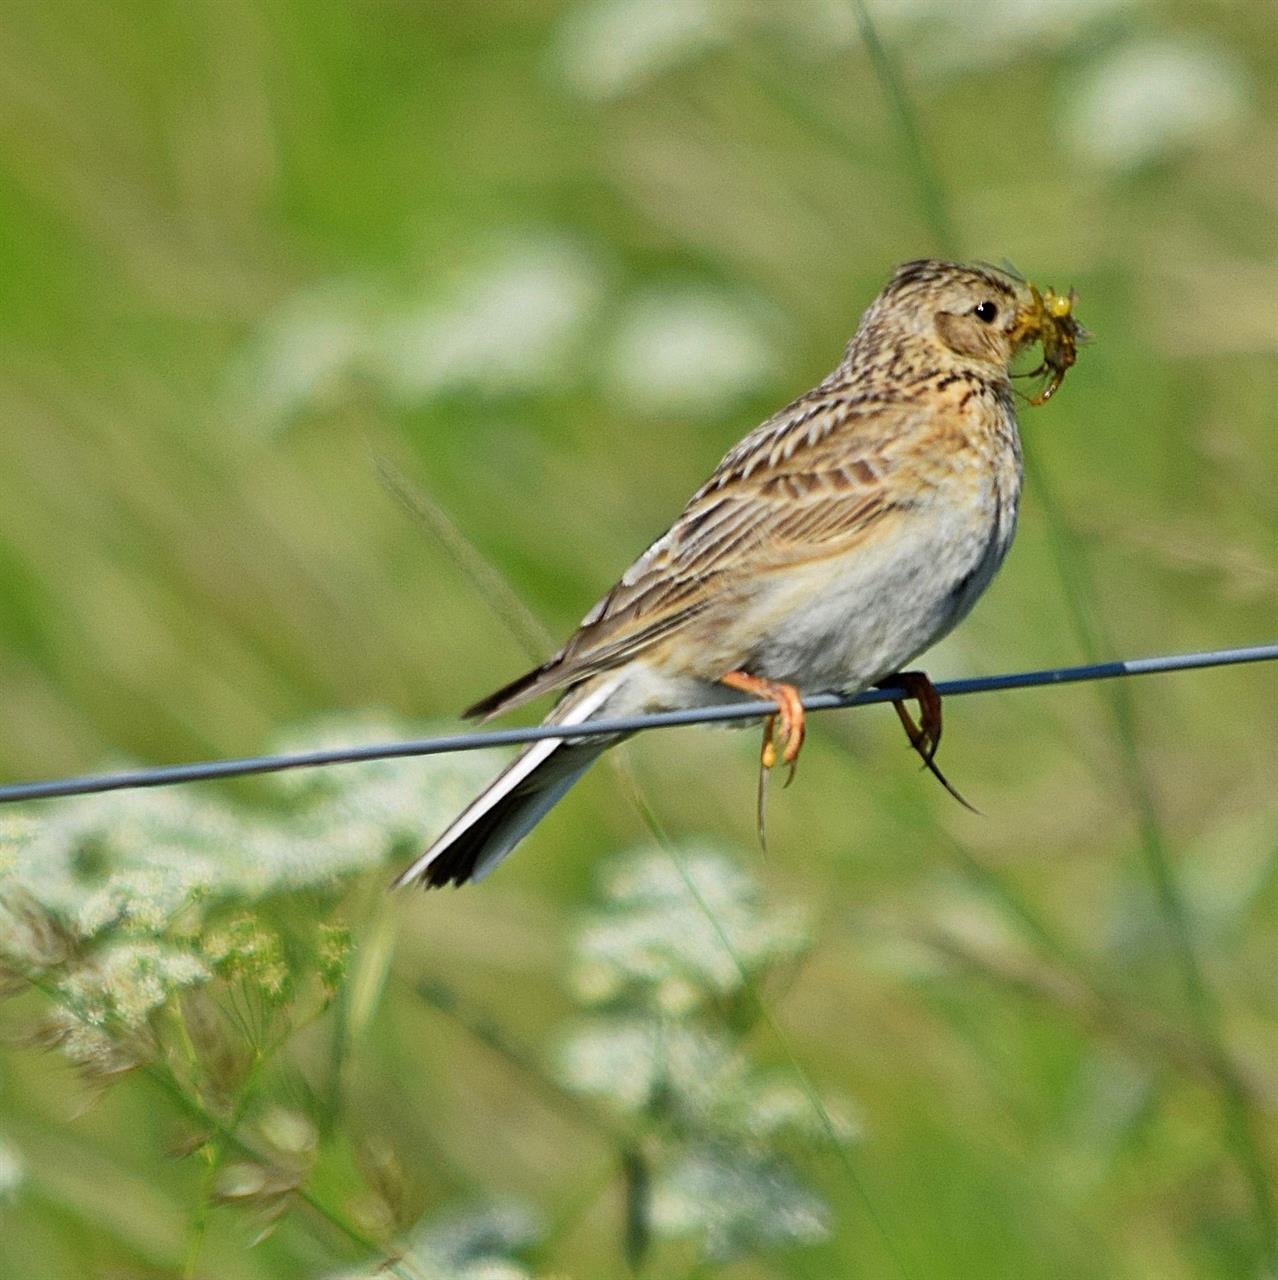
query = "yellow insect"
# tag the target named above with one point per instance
(1050, 322)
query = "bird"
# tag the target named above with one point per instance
(832, 545)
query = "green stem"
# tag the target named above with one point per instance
(489, 1034)
(200, 1210)
(207, 1119)
(1240, 1121)
(765, 1014)
(932, 199)
(515, 618)
(1081, 599)
(491, 585)
(216, 1157)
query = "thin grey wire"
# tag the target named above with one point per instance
(170, 775)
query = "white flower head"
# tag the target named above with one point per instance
(510, 325)
(152, 863)
(302, 355)
(129, 981)
(679, 928)
(471, 1243)
(609, 47)
(143, 900)
(12, 1171)
(635, 1062)
(946, 40)
(77, 1034)
(776, 1105)
(1148, 100)
(689, 349)
(736, 1202)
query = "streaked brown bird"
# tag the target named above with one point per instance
(834, 544)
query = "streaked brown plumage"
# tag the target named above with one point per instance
(833, 544)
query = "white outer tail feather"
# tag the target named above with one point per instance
(537, 803)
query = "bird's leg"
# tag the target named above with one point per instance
(767, 758)
(924, 736)
(789, 708)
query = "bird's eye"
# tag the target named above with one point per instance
(986, 312)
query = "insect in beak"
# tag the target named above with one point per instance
(1048, 319)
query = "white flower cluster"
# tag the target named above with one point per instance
(609, 47)
(516, 320)
(513, 323)
(355, 815)
(473, 1243)
(674, 934)
(142, 862)
(605, 49)
(118, 903)
(737, 1203)
(12, 1171)
(1140, 100)
(680, 936)
(122, 984)
(1148, 100)
(531, 313)
(636, 1063)
(688, 349)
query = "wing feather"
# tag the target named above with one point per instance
(809, 483)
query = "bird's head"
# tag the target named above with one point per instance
(975, 316)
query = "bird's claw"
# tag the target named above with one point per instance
(792, 729)
(924, 735)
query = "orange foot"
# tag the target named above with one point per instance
(925, 736)
(789, 708)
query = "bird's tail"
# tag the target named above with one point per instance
(516, 800)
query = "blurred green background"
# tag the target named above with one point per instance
(549, 261)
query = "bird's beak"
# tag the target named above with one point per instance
(1027, 324)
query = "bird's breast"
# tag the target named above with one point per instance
(849, 620)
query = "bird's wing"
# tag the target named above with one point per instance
(812, 482)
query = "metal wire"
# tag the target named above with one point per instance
(169, 775)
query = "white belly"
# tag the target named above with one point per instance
(854, 620)
(844, 623)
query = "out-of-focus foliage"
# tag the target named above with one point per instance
(683, 932)
(476, 1243)
(550, 260)
(149, 956)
